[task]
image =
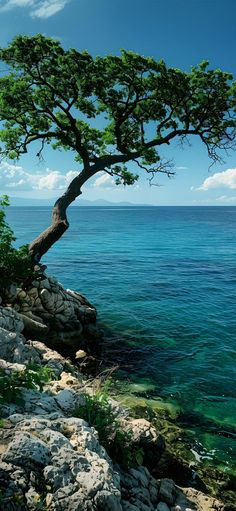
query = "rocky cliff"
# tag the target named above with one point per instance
(50, 458)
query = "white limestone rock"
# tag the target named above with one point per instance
(80, 474)
(80, 354)
(55, 440)
(39, 403)
(143, 431)
(26, 449)
(8, 343)
(26, 354)
(28, 422)
(33, 499)
(8, 367)
(15, 349)
(68, 400)
(67, 313)
(10, 320)
(190, 499)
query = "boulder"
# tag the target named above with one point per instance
(67, 314)
(10, 320)
(26, 449)
(74, 471)
(167, 491)
(146, 436)
(162, 506)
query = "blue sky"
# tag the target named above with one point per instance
(182, 32)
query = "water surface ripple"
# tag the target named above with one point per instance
(164, 279)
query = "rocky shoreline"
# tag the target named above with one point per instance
(50, 457)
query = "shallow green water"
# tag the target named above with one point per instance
(163, 281)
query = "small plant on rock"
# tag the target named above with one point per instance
(99, 413)
(33, 377)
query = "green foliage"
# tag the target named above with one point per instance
(40, 503)
(54, 96)
(15, 265)
(125, 177)
(99, 413)
(33, 377)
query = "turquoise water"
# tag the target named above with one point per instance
(163, 280)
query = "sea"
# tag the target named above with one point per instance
(163, 280)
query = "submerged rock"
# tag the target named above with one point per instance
(50, 458)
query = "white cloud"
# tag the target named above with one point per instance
(48, 8)
(104, 180)
(14, 177)
(54, 180)
(226, 199)
(181, 168)
(225, 179)
(37, 8)
(11, 4)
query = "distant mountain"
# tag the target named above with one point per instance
(21, 201)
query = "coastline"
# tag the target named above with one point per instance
(175, 459)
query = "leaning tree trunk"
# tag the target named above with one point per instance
(40, 245)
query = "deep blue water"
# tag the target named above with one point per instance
(163, 279)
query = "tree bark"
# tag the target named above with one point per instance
(40, 245)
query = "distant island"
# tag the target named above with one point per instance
(23, 201)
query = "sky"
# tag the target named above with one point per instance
(183, 33)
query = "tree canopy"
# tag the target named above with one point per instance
(108, 111)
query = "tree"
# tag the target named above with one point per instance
(49, 95)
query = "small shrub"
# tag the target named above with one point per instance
(99, 413)
(35, 377)
(32, 377)
(16, 265)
